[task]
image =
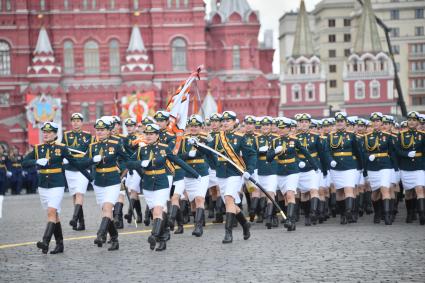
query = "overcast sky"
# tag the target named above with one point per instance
(270, 12)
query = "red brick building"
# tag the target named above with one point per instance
(59, 57)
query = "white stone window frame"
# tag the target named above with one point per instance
(372, 86)
(295, 88)
(357, 85)
(309, 87)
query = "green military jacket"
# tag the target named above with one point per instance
(287, 160)
(128, 144)
(314, 145)
(154, 176)
(381, 145)
(343, 147)
(200, 163)
(411, 140)
(264, 166)
(51, 175)
(232, 144)
(213, 162)
(5, 164)
(107, 172)
(76, 140)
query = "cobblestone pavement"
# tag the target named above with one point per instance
(330, 252)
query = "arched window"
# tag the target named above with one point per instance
(65, 4)
(355, 65)
(359, 90)
(375, 89)
(236, 55)
(186, 3)
(112, 4)
(114, 57)
(85, 4)
(42, 5)
(91, 57)
(93, 4)
(309, 90)
(68, 57)
(4, 58)
(178, 47)
(8, 5)
(296, 93)
(302, 68)
(85, 111)
(136, 4)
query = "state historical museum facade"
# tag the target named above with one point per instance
(93, 57)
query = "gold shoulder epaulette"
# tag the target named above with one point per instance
(113, 141)
(163, 144)
(238, 134)
(59, 143)
(390, 134)
(293, 137)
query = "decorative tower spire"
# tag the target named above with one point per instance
(43, 62)
(137, 59)
(228, 7)
(303, 42)
(367, 38)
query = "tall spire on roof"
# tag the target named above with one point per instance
(303, 42)
(43, 43)
(228, 7)
(367, 38)
(136, 42)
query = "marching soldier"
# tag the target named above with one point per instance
(267, 177)
(309, 178)
(343, 150)
(231, 145)
(410, 147)
(50, 156)
(152, 159)
(16, 178)
(133, 179)
(104, 154)
(5, 168)
(379, 164)
(284, 150)
(77, 184)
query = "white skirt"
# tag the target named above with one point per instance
(132, 182)
(361, 180)
(395, 177)
(322, 180)
(288, 183)
(412, 179)
(179, 187)
(157, 198)
(196, 188)
(108, 194)
(378, 179)
(328, 180)
(345, 178)
(51, 197)
(76, 181)
(308, 181)
(212, 182)
(269, 182)
(230, 186)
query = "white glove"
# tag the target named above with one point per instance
(42, 161)
(24, 173)
(301, 164)
(97, 158)
(192, 153)
(371, 157)
(412, 153)
(210, 138)
(8, 174)
(246, 175)
(145, 163)
(65, 161)
(263, 148)
(278, 149)
(192, 140)
(333, 163)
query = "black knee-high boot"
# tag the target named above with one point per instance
(211, 208)
(361, 204)
(269, 215)
(341, 208)
(113, 232)
(306, 208)
(321, 210)
(185, 208)
(179, 220)
(290, 217)
(155, 233)
(138, 208)
(163, 237)
(199, 218)
(297, 209)
(219, 208)
(314, 207)
(349, 203)
(253, 208)
(147, 220)
(118, 216)
(101, 233)
(173, 216)
(387, 211)
(58, 238)
(48, 232)
(73, 222)
(421, 210)
(81, 221)
(228, 237)
(245, 225)
(129, 214)
(368, 203)
(409, 215)
(260, 210)
(377, 210)
(333, 204)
